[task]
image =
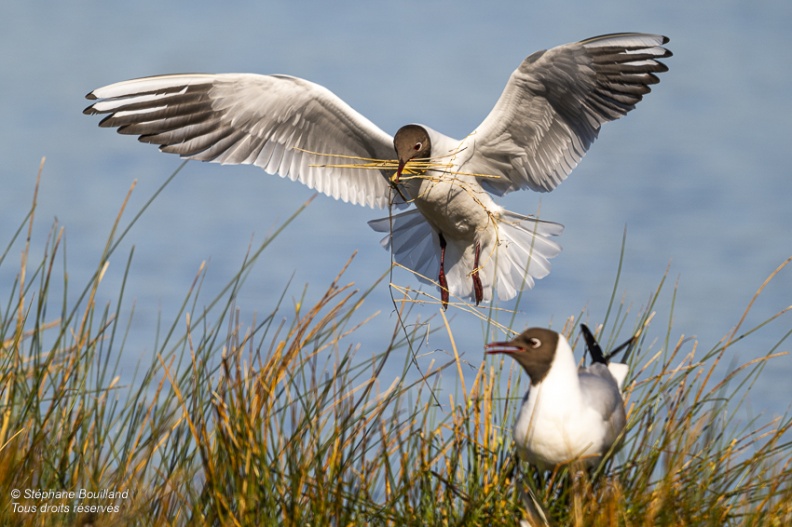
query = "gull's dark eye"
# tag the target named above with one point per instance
(535, 343)
(417, 146)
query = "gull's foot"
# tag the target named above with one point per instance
(478, 289)
(442, 277)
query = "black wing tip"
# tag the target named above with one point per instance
(597, 356)
(667, 54)
(106, 122)
(663, 40)
(91, 96)
(627, 346)
(640, 34)
(91, 110)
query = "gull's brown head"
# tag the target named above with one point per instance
(411, 142)
(534, 349)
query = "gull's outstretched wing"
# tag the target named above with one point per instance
(271, 121)
(554, 105)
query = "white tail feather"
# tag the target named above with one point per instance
(619, 372)
(509, 261)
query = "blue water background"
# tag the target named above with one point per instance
(698, 175)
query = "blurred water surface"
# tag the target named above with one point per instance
(698, 174)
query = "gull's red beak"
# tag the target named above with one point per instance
(501, 347)
(399, 170)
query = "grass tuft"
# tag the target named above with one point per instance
(283, 420)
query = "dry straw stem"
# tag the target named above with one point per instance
(414, 168)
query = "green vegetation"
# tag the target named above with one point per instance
(281, 420)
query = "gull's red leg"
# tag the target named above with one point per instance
(478, 289)
(442, 278)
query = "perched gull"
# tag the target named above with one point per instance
(568, 414)
(455, 236)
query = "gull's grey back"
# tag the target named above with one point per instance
(601, 392)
